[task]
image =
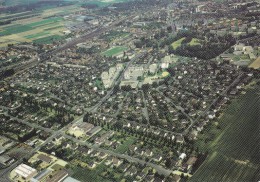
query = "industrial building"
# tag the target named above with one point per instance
(25, 172)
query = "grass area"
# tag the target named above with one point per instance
(48, 40)
(165, 74)
(255, 64)
(194, 42)
(115, 34)
(177, 43)
(234, 153)
(124, 146)
(99, 84)
(87, 175)
(114, 51)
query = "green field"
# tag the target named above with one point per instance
(125, 145)
(18, 2)
(194, 42)
(44, 22)
(114, 51)
(115, 34)
(87, 175)
(14, 29)
(177, 43)
(33, 36)
(234, 153)
(48, 40)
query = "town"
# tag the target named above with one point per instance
(123, 91)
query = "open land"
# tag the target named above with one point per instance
(39, 29)
(234, 153)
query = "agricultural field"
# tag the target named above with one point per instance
(19, 2)
(234, 152)
(114, 51)
(177, 43)
(37, 29)
(102, 3)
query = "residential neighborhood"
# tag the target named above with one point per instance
(143, 90)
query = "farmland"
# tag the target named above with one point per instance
(114, 51)
(18, 2)
(37, 28)
(105, 2)
(236, 146)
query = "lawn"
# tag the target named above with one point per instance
(115, 34)
(124, 147)
(194, 42)
(234, 153)
(255, 64)
(87, 175)
(114, 51)
(177, 43)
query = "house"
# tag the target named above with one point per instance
(44, 158)
(175, 178)
(149, 178)
(92, 164)
(5, 159)
(83, 150)
(124, 167)
(191, 161)
(109, 160)
(148, 153)
(140, 175)
(102, 155)
(116, 162)
(157, 158)
(58, 176)
(131, 171)
(179, 139)
(157, 179)
(182, 156)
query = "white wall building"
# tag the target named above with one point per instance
(24, 171)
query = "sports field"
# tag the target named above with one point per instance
(234, 154)
(114, 51)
